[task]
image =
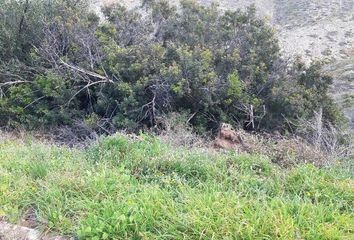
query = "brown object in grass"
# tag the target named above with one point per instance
(229, 139)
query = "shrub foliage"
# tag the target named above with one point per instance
(59, 62)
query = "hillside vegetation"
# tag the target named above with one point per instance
(321, 29)
(60, 63)
(119, 188)
(175, 74)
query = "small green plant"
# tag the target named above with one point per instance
(37, 169)
(348, 100)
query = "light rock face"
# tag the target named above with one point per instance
(10, 232)
(313, 29)
(15, 232)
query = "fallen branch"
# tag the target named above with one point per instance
(13, 83)
(84, 71)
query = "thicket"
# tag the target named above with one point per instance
(59, 61)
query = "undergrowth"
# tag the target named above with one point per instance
(120, 188)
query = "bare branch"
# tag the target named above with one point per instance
(13, 83)
(84, 71)
(38, 99)
(86, 87)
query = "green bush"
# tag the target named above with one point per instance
(132, 68)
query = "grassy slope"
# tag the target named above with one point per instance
(123, 189)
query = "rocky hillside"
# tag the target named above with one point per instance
(313, 29)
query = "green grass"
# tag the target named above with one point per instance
(123, 189)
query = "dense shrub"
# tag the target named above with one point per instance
(60, 62)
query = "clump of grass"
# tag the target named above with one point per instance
(120, 188)
(37, 169)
